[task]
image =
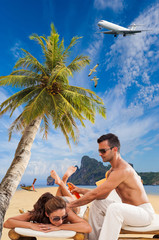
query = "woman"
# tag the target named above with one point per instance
(49, 214)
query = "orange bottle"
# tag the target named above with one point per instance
(74, 193)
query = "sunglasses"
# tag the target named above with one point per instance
(104, 150)
(56, 219)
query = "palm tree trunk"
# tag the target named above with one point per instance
(15, 172)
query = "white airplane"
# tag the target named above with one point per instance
(116, 29)
(93, 69)
(95, 79)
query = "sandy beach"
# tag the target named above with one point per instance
(25, 200)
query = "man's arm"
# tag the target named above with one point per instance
(87, 198)
(102, 191)
(82, 191)
(78, 190)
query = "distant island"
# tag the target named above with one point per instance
(92, 170)
(50, 181)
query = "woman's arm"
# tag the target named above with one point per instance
(18, 221)
(22, 221)
(76, 223)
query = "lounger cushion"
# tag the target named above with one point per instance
(154, 226)
(55, 234)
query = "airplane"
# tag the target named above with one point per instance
(95, 79)
(93, 69)
(116, 29)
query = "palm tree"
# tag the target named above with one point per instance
(46, 96)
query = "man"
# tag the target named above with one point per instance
(106, 216)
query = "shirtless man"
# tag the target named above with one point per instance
(107, 216)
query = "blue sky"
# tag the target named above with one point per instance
(128, 78)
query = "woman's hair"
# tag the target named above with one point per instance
(38, 213)
(46, 203)
(53, 204)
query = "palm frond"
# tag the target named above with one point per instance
(40, 41)
(63, 130)
(74, 40)
(60, 72)
(20, 100)
(19, 81)
(30, 62)
(70, 126)
(84, 104)
(53, 29)
(45, 126)
(17, 125)
(78, 63)
(70, 108)
(85, 91)
(36, 107)
(10, 102)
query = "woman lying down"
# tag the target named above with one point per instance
(50, 213)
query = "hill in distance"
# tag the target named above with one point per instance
(92, 170)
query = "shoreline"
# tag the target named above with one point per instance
(23, 199)
(150, 189)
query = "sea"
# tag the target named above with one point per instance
(150, 189)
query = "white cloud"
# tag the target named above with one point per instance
(4, 95)
(115, 5)
(16, 49)
(149, 95)
(147, 149)
(133, 55)
(95, 46)
(130, 123)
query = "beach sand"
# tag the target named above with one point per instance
(23, 199)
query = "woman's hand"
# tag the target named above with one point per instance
(48, 227)
(35, 226)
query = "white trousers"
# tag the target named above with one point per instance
(107, 217)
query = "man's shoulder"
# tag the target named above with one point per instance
(122, 172)
(125, 170)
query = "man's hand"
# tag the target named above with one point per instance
(74, 188)
(78, 190)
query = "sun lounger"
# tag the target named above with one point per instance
(152, 229)
(19, 233)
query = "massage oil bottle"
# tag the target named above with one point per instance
(74, 193)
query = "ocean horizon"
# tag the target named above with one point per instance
(150, 189)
